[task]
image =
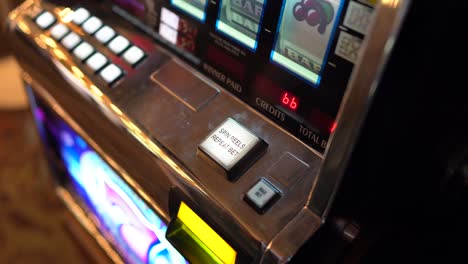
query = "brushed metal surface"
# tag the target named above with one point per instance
(150, 136)
(388, 18)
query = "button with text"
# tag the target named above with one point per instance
(233, 147)
(262, 196)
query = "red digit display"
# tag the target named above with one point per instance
(290, 101)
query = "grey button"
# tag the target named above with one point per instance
(97, 61)
(119, 44)
(59, 31)
(45, 20)
(80, 16)
(71, 40)
(105, 34)
(83, 51)
(92, 25)
(111, 73)
(261, 195)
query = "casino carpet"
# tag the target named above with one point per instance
(32, 219)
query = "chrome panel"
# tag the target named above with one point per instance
(150, 135)
(388, 17)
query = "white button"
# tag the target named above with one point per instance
(83, 51)
(111, 73)
(71, 40)
(228, 143)
(92, 25)
(45, 20)
(96, 62)
(133, 55)
(59, 31)
(105, 34)
(119, 44)
(80, 15)
(261, 193)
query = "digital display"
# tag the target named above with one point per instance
(290, 101)
(241, 20)
(304, 36)
(136, 231)
(195, 8)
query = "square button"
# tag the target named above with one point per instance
(233, 147)
(80, 16)
(119, 44)
(105, 34)
(96, 61)
(262, 196)
(45, 20)
(111, 73)
(92, 25)
(133, 55)
(83, 51)
(59, 31)
(71, 40)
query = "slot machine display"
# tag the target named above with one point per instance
(196, 131)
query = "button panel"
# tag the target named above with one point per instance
(71, 41)
(97, 61)
(84, 51)
(92, 25)
(262, 196)
(233, 147)
(59, 31)
(133, 55)
(80, 16)
(105, 34)
(45, 20)
(111, 73)
(118, 44)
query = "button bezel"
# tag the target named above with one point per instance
(269, 203)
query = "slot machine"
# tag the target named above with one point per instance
(196, 131)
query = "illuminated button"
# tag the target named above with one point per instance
(111, 73)
(97, 61)
(262, 196)
(105, 34)
(119, 44)
(83, 51)
(71, 40)
(80, 16)
(92, 25)
(133, 55)
(233, 147)
(45, 20)
(59, 31)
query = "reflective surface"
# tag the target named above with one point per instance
(134, 228)
(150, 137)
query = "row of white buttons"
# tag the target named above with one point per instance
(84, 50)
(118, 44)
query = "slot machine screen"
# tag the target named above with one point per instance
(290, 59)
(304, 36)
(133, 228)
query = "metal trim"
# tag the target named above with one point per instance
(356, 101)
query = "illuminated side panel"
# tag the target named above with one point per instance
(124, 218)
(195, 8)
(241, 20)
(304, 35)
(197, 240)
